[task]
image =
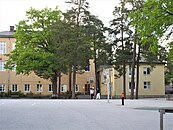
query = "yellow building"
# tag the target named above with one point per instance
(32, 83)
(151, 81)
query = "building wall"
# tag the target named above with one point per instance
(156, 79)
(103, 83)
(9, 77)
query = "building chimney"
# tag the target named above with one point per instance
(11, 28)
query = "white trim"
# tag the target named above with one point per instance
(38, 90)
(14, 85)
(3, 87)
(2, 65)
(63, 88)
(77, 87)
(27, 86)
(51, 88)
(13, 46)
(129, 87)
(145, 70)
(3, 47)
(148, 85)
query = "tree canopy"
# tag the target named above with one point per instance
(155, 21)
(37, 49)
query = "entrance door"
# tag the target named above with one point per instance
(87, 89)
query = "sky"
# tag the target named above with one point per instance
(12, 11)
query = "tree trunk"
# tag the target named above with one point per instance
(54, 85)
(70, 73)
(96, 73)
(122, 42)
(133, 68)
(124, 79)
(59, 85)
(74, 82)
(137, 72)
(124, 64)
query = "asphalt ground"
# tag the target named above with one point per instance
(48, 114)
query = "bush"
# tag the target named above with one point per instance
(30, 93)
(21, 94)
(2, 94)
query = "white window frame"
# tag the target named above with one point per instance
(14, 88)
(50, 88)
(63, 88)
(2, 86)
(129, 87)
(13, 46)
(39, 88)
(147, 85)
(14, 67)
(130, 71)
(89, 68)
(2, 47)
(27, 87)
(2, 66)
(76, 88)
(146, 71)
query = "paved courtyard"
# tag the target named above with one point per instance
(32, 114)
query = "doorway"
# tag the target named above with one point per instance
(87, 89)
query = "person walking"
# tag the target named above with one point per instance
(92, 92)
(98, 94)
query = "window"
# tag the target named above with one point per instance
(39, 87)
(2, 65)
(27, 87)
(76, 88)
(63, 88)
(133, 87)
(146, 71)
(14, 67)
(2, 87)
(87, 68)
(147, 85)
(130, 71)
(13, 46)
(14, 88)
(2, 47)
(50, 87)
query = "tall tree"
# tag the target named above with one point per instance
(155, 21)
(80, 52)
(122, 35)
(154, 24)
(136, 5)
(169, 67)
(101, 50)
(37, 49)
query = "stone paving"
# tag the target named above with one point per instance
(47, 114)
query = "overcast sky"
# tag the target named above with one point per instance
(12, 11)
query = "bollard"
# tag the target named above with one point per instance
(122, 96)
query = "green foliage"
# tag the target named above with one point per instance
(122, 36)
(10, 94)
(35, 45)
(169, 65)
(154, 21)
(79, 45)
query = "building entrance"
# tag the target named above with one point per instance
(87, 89)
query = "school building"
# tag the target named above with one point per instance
(151, 81)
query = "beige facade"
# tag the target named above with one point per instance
(32, 83)
(151, 82)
